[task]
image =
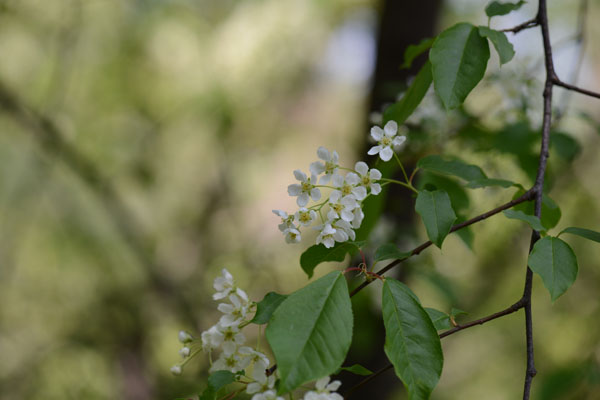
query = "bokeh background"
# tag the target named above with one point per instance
(143, 145)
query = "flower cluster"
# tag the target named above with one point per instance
(325, 390)
(344, 211)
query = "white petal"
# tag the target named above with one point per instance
(398, 140)
(317, 168)
(359, 192)
(352, 178)
(374, 150)
(349, 202)
(301, 176)
(302, 199)
(347, 216)
(375, 188)
(280, 213)
(337, 180)
(375, 174)
(325, 179)
(386, 154)
(376, 133)
(321, 384)
(328, 230)
(361, 167)
(332, 214)
(335, 196)
(391, 128)
(333, 386)
(335, 158)
(315, 194)
(294, 189)
(323, 154)
(329, 242)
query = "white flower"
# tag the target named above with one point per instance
(260, 361)
(185, 337)
(324, 390)
(348, 185)
(268, 395)
(223, 285)
(330, 167)
(341, 207)
(232, 337)
(368, 177)
(326, 235)
(343, 230)
(185, 351)
(386, 138)
(229, 360)
(292, 235)
(359, 215)
(262, 382)
(234, 312)
(304, 189)
(305, 217)
(176, 369)
(212, 338)
(287, 221)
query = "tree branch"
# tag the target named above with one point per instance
(558, 82)
(525, 25)
(417, 250)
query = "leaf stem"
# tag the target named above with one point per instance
(406, 185)
(401, 166)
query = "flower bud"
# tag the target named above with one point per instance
(184, 337)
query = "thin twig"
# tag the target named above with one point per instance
(525, 25)
(417, 250)
(558, 82)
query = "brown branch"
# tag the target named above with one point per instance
(525, 25)
(558, 82)
(417, 250)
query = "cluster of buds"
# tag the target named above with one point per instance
(344, 205)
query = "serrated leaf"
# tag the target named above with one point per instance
(390, 251)
(555, 262)
(458, 58)
(584, 233)
(486, 182)
(318, 254)
(357, 369)
(496, 8)
(216, 381)
(411, 343)
(440, 319)
(311, 331)
(437, 214)
(266, 307)
(415, 50)
(532, 220)
(454, 167)
(402, 109)
(505, 49)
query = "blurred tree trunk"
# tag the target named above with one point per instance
(401, 23)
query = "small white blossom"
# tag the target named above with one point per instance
(343, 230)
(292, 235)
(176, 369)
(368, 178)
(224, 285)
(268, 395)
(262, 382)
(287, 221)
(229, 360)
(348, 185)
(326, 235)
(330, 167)
(341, 207)
(184, 351)
(359, 215)
(304, 189)
(185, 337)
(325, 390)
(386, 138)
(211, 339)
(259, 359)
(234, 312)
(305, 217)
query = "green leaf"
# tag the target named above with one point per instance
(532, 220)
(585, 233)
(357, 369)
(432, 182)
(318, 254)
(415, 50)
(402, 109)
(453, 167)
(311, 331)
(390, 251)
(458, 58)
(486, 182)
(216, 381)
(555, 262)
(565, 146)
(550, 211)
(266, 307)
(501, 44)
(455, 312)
(440, 319)
(497, 8)
(411, 341)
(437, 214)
